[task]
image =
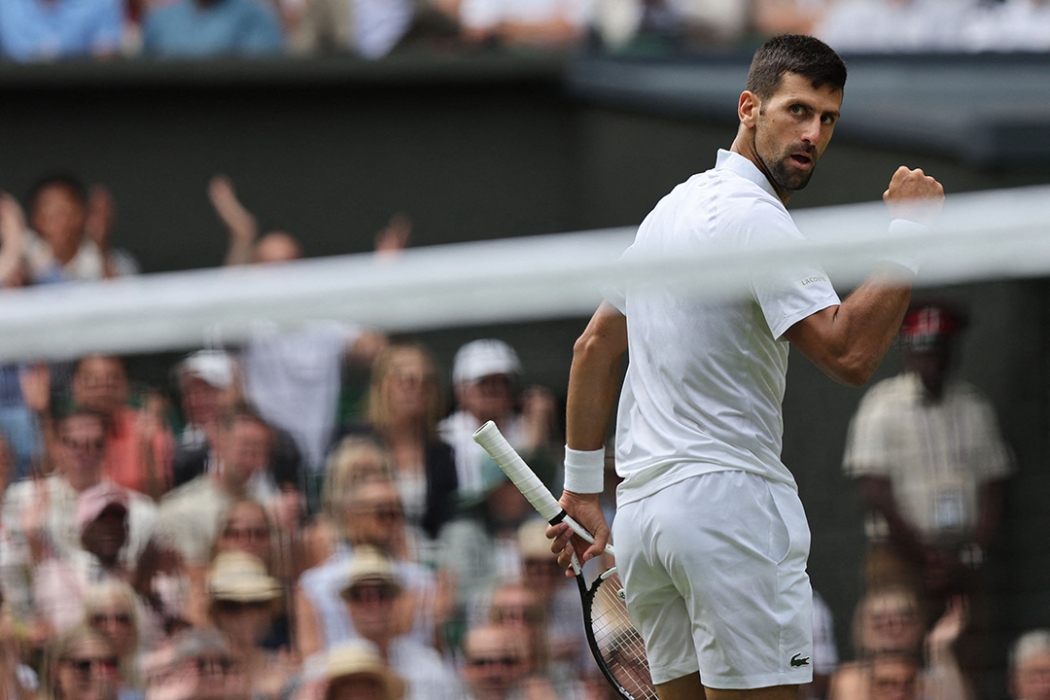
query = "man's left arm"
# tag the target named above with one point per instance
(848, 341)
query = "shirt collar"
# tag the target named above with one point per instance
(728, 160)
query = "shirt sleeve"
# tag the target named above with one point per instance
(868, 448)
(794, 291)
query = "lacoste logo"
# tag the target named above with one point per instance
(799, 660)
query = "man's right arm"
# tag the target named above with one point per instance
(594, 378)
(594, 381)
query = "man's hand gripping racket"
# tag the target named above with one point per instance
(615, 643)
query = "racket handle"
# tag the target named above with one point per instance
(493, 442)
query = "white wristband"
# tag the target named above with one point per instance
(584, 470)
(903, 227)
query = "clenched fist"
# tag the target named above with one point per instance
(914, 195)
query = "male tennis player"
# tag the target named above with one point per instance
(712, 538)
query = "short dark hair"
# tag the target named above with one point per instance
(794, 53)
(70, 183)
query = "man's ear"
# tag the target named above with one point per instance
(748, 108)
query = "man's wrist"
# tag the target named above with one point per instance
(903, 228)
(584, 470)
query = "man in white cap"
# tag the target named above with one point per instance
(486, 376)
(207, 384)
(204, 378)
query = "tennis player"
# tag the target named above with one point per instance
(712, 539)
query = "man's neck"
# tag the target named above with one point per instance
(83, 483)
(744, 145)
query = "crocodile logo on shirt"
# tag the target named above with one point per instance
(798, 660)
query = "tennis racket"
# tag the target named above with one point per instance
(616, 645)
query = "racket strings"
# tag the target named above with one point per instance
(620, 646)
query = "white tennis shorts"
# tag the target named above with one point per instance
(714, 568)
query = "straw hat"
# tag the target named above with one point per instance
(370, 564)
(360, 659)
(241, 577)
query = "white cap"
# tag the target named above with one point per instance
(213, 366)
(482, 358)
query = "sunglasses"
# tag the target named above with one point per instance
(246, 533)
(516, 613)
(505, 661)
(215, 666)
(84, 665)
(236, 606)
(119, 618)
(386, 514)
(370, 594)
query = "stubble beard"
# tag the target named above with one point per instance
(779, 171)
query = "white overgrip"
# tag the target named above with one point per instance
(493, 442)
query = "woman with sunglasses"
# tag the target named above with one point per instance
(82, 665)
(111, 608)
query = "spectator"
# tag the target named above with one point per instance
(552, 23)
(565, 641)
(372, 29)
(931, 462)
(46, 30)
(372, 517)
(519, 608)
(485, 377)
(896, 676)
(196, 665)
(205, 380)
(12, 242)
(404, 406)
(25, 419)
(382, 614)
(62, 581)
(191, 514)
(71, 232)
(1030, 666)
(207, 383)
(207, 28)
(356, 672)
(40, 515)
(495, 666)
(112, 610)
(139, 444)
(247, 527)
(355, 461)
(292, 377)
(881, 629)
(243, 599)
(81, 666)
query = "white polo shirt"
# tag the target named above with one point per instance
(706, 379)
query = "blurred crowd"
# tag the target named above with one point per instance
(48, 30)
(306, 515)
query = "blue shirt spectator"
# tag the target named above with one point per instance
(191, 28)
(34, 30)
